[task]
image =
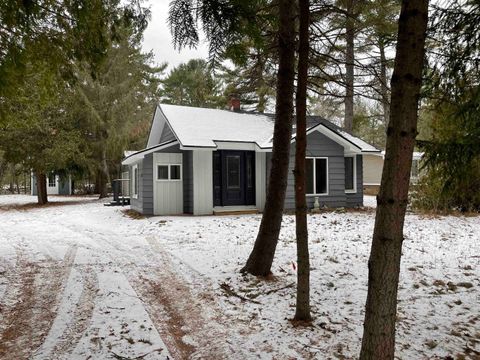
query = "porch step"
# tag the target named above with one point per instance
(235, 211)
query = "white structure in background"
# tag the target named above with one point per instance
(56, 184)
(373, 167)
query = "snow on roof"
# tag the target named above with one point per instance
(200, 127)
(364, 146)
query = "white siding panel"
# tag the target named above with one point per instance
(168, 195)
(372, 169)
(260, 179)
(202, 182)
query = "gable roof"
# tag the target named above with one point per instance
(203, 128)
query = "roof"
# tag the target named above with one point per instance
(195, 127)
(200, 127)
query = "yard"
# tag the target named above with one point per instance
(79, 280)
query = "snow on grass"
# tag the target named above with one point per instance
(105, 307)
(437, 316)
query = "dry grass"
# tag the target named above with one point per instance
(132, 214)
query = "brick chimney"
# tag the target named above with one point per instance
(234, 103)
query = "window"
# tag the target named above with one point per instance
(317, 176)
(175, 172)
(169, 172)
(162, 172)
(233, 172)
(51, 180)
(135, 181)
(350, 176)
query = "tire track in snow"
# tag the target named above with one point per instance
(187, 324)
(31, 303)
(73, 326)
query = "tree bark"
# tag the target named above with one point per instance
(383, 86)
(302, 310)
(42, 197)
(384, 263)
(260, 260)
(349, 65)
(104, 176)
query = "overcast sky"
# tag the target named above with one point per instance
(157, 37)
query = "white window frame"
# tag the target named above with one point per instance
(135, 181)
(169, 173)
(315, 175)
(354, 190)
(54, 181)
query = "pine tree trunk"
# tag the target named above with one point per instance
(104, 176)
(383, 86)
(302, 311)
(261, 258)
(42, 198)
(384, 263)
(349, 65)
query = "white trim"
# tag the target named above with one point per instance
(322, 129)
(139, 155)
(135, 181)
(314, 158)
(169, 172)
(354, 190)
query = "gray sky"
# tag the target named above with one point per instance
(157, 37)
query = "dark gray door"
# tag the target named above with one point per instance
(233, 178)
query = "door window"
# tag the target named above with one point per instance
(233, 171)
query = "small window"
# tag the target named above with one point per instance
(317, 176)
(350, 174)
(51, 180)
(135, 181)
(169, 172)
(162, 172)
(233, 172)
(175, 172)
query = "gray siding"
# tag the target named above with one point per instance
(356, 199)
(146, 178)
(188, 182)
(318, 145)
(167, 134)
(144, 203)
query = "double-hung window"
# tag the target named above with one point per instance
(135, 181)
(169, 172)
(317, 176)
(350, 174)
(51, 180)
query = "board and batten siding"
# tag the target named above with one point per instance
(356, 199)
(260, 180)
(203, 182)
(167, 194)
(144, 202)
(372, 169)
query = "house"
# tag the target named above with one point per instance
(373, 167)
(56, 184)
(204, 161)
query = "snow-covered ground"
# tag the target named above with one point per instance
(83, 280)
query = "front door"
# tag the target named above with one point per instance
(233, 178)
